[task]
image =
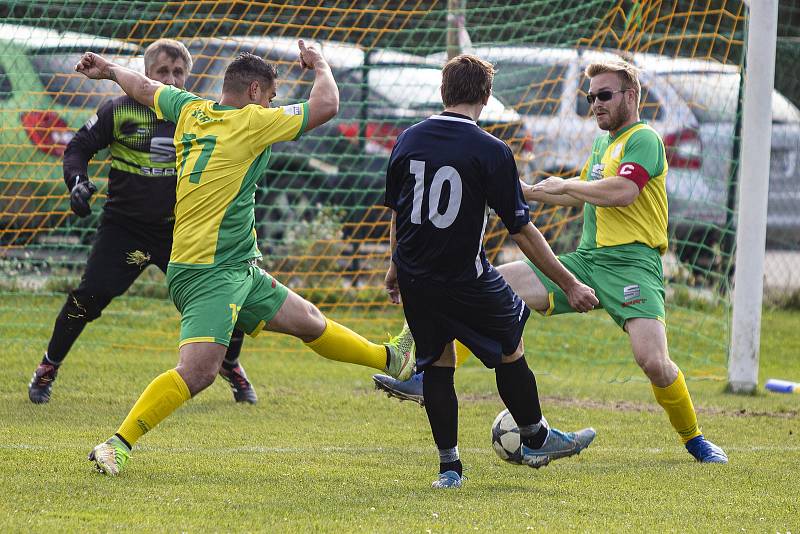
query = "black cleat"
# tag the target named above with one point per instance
(242, 388)
(42, 383)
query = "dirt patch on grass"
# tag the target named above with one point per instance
(628, 406)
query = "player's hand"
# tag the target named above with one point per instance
(79, 198)
(581, 297)
(310, 57)
(95, 67)
(555, 185)
(391, 284)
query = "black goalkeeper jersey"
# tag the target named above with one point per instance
(141, 183)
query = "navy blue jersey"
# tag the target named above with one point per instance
(443, 176)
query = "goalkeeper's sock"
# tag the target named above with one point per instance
(441, 406)
(341, 344)
(677, 403)
(160, 398)
(516, 385)
(234, 349)
(462, 353)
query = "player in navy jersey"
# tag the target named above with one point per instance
(443, 176)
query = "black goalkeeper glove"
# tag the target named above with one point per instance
(80, 195)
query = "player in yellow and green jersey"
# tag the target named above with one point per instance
(622, 189)
(222, 150)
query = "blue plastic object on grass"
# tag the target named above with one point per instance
(782, 386)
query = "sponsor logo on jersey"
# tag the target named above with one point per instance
(158, 171)
(294, 109)
(162, 150)
(597, 171)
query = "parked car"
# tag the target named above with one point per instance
(43, 101)
(692, 103)
(343, 162)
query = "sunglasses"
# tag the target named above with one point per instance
(602, 96)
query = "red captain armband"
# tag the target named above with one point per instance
(635, 173)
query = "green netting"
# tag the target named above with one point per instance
(318, 213)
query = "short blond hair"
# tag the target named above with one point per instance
(171, 47)
(627, 73)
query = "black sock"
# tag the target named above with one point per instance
(441, 405)
(451, 466)
(234, 348)
(517, 387)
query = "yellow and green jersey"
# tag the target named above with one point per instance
(637, 153)
(221, 151)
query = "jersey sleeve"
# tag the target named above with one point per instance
(273, 125)
(95, 135)
(394, 177)
(169, 101)
(585, 171)
(643, 157)
(504, 193)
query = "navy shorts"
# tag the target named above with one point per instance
(484, 314)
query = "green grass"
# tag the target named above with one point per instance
(323, 452)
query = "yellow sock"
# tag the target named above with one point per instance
(341, 344)
(462, 353)
(677, 403)
(160, 398)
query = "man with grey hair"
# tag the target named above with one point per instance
(138, 216)
(622, 190)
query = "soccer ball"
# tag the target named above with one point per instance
(505, 438)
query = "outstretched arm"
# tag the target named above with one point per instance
(323, 102)
(532, 194)
(581, 297)
(136, 85)
(608, 192)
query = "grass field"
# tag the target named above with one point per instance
(322, 451)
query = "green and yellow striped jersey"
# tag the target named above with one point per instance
(644, 221)
(221, 153)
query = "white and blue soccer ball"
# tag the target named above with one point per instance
(506, 441)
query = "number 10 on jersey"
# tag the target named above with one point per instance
(443, 174)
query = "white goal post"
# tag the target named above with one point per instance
(754, 170)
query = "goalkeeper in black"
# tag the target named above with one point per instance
(136, 225)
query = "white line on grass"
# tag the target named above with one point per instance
(356, 450)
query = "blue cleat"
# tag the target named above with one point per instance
(410, 389)
(448, 480)
(557, 445)
(706, 452)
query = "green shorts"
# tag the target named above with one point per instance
(627, 279)
(214, 300)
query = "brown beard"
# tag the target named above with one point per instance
(617, 119)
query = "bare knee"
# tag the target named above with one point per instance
(516, 355)
(197, 379)
(313, 322)
(199, 364)
(659, 369)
